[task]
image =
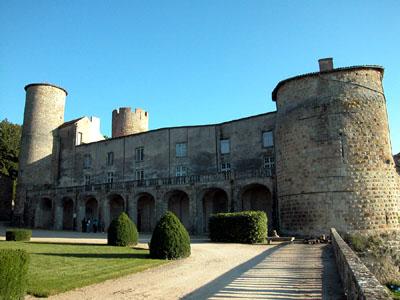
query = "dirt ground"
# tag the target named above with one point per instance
(218, 271)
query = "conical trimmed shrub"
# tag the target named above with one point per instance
(122, 232)
(170, 239)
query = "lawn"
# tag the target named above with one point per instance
(56, 268)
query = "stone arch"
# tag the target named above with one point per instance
(116, 205)
(44, 213)
(178, 203)
(145, 212)
(91, 208)
(215, 200)
(67, 213)
(258, 197)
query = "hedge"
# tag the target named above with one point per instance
(170, 239)
(18, 234)
(13, 273)
(122, 232)
(242, 227)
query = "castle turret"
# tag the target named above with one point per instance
(125, 122)
(334, 164)
(44, 112)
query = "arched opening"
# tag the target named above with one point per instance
(44, 214)
(178, 203)
(145, 212)
(91, 209)
(258, 197)
(68, 213)
(116, 206)
(215, 200)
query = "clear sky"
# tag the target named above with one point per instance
(188, 62)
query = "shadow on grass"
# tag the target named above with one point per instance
(67, 244)
(99, 255)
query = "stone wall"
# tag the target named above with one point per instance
(44, 113)
(160, 160)
(126, 122)
(333, 156)
(6, 184)
(358, 281)
(201, 193)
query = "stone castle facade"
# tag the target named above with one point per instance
(322, 159)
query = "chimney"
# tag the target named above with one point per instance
(325, 64)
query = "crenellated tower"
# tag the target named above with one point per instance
(125, 122)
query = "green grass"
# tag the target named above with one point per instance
(395, 295)
(56, 268)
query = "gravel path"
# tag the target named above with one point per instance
(226, 271)
(174, 280)
(219, 271)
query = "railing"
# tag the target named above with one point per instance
(180, 180)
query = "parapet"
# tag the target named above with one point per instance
(46, 84)
(126, 122)
(326, 68)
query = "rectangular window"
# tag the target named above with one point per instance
(181, 171)
(268, 139)
(225, 167)
(139, 154)
(140, 174)
(87, 161)
(269, 165)
(110, 158)
(110, 177)
(181, 150)
(87, 179)
(79, 138)
(225, 146)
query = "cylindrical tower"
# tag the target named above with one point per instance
(125, 122)
(44, 112)
(334, 164)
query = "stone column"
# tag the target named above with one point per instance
(105, 209)
(131, 203)
(58, 214)
(80, 213)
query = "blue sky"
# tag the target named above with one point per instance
(188, 62)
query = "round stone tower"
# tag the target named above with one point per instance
(125, 122)
(334, 164)
(44, 112)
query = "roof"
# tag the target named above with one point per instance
(281, 83)
(65, 124)
(46, 84)
(177, 127)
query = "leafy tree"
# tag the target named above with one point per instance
(10, 137)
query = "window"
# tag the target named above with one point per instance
(139, 154)
(225, 146)
(268, 139)
(110, 177)
(87, 161)
(225, 167)
(181, 171)
(110, 158)
(87, 179)
(79, 138)
(181, 149)
(140, 174)
(269, 165)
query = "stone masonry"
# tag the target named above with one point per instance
(328, 141)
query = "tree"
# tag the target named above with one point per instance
(10, 137)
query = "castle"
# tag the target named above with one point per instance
(322, 159)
